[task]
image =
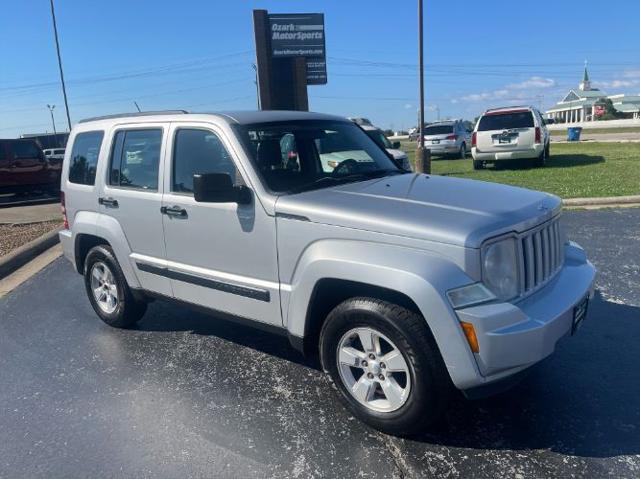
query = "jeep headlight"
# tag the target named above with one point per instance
(500, 268)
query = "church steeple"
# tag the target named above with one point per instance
(585, 84)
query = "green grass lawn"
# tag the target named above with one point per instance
(626, 129)
(574, 170)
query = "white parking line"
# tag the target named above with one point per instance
(22, 274)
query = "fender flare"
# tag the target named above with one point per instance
(107, 228)
(422, 276)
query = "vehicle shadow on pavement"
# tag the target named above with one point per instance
(36, 197)
(185, 320)
(582, 401)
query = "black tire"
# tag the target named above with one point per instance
(478, 165)
(128, 310)
(542, 159)
(431, 385)
(462, 154)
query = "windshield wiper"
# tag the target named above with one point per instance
(368, 175)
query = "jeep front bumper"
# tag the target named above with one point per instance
(514, 336)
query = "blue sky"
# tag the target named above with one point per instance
(197, 54)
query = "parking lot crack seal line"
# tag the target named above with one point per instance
(405, 470)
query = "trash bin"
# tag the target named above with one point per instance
(573, 133)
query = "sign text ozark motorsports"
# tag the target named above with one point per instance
(287, 32)
(301, 35)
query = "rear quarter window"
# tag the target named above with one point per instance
(84, 157)
(506, 121)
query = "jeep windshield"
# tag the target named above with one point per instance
(303, 155)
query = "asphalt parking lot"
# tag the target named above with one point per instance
(186, 395)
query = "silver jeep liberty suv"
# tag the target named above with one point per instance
(406, 285)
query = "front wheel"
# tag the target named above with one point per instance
(385, 364)
(108, 290)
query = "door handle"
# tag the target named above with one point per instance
(108, 202)
(173, 211)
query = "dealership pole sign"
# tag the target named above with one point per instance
(301, 35)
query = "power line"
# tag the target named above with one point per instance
(182, 67)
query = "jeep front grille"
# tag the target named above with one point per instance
(541, 255)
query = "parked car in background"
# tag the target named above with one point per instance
(54, 153)
(405, 285)
(451, 137)
(23, 167)
(510, 133)
(399, 156)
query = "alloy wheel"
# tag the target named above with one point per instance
(103, 286)
(373, 369)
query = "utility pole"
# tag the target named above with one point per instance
(55, 133)
(136, 104)
(423, 157)
(64, 90)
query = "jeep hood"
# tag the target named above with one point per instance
(430, 207)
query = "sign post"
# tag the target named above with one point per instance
(290, 54)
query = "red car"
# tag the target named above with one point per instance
(23, 167)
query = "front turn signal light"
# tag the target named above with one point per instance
(470, 333)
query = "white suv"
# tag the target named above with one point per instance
(510, 133)
(405, 284)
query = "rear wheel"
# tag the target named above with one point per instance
(478, 164)
(385, 364)
(542, 159)
(108, 290)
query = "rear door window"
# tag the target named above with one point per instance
(84, 157)
(135, 159)
(506, 121)
(4, 148)
(25, 150)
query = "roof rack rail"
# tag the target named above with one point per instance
(128, 115)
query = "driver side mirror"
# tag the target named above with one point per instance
(396, 145)
(218, 188)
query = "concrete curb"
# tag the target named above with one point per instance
(25, 253)
(605, 201)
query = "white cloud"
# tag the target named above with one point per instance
(408, 106)
(533, 82)
(632, 74)
(492, 95)
(617, 83)
(513, 91)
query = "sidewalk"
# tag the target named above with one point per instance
(30, 214)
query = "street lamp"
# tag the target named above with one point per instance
(55, 133)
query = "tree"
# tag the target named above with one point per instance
(610, 113)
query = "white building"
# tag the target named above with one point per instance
(587, 104)
(579, 104)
